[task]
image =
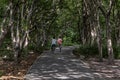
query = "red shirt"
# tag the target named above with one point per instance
(59, 41)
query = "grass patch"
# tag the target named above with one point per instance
(1, 73)
(92, 51)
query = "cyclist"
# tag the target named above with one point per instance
(59, 42)
(53, 44)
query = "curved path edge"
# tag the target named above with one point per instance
(60, 66)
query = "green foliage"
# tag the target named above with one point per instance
(88, 51)
(7, 55)
(58, 17)
(33, 47)
(67, 41)
(1, 73)
(2, 9)
(116, 51)
(6, 49)
(47, 46)
(68, 44)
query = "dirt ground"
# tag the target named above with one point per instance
(105, 70)
(10, 71)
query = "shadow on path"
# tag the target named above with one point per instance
(59, 66)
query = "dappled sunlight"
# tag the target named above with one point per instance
(59, 66)
(71, 74)
(102, 69)
(65, 66)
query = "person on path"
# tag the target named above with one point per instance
(53, 44)
(59, 42)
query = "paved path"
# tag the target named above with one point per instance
(60, 66)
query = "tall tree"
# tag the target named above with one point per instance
(106, 14)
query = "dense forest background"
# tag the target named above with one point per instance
(29, 25)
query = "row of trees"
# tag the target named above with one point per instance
(31, 23)
(101, 21)
(94, 22)
(28, 24)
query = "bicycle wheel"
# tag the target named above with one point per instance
(53, 48)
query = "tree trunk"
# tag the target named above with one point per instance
(118, 24)
(5, 28)
(109, 41)
(106, 14)
(15, 47)
(83, 23)
(79, 30)
(99, 38)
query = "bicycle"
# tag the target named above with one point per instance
(53, 48)
(60, 47)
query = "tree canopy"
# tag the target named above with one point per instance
(30, 24)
